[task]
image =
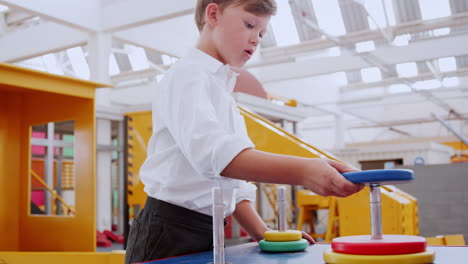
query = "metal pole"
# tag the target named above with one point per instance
(375, 211)
(449, 127)
(218, 226)
(281, 206)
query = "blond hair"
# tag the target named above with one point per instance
(257, 7)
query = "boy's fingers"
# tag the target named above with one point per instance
(344, 187)
(340, 167)
(308, 237)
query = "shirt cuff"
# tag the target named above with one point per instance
(247, 191)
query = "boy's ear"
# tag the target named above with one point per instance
(211, 14)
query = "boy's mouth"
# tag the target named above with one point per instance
(249, 52)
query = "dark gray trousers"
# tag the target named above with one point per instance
(163, 230)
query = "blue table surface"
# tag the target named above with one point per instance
(250, 253)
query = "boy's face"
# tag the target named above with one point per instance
(237, 34)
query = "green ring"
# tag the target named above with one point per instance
(285, 246)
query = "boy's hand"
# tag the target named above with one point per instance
(322, 176)
(308, 237)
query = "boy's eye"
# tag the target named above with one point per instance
(248, 25)
(260, 35)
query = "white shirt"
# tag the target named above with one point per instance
(197, 132)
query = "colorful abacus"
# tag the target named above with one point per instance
(378, 248)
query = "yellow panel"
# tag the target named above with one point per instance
(270, 138)
(62, 257)
(138, 134)
(75, 233)
(457, 145)
(10, 105)
(399, 215)
(14, 78)
(435, 241)
(454, 240)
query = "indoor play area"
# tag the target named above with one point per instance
(380, 85)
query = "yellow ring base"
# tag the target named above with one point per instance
(282, 236)
(331, 257)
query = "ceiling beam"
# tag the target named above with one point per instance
(460, 19)
(127, 14)
(398, 80)
(162, 37)
(33, 41)
(78, 14)
(423, 50)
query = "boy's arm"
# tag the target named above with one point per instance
(250, 221)
(321, 176)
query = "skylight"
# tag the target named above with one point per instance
(168, 60)
(113, 67)
(451, 81)
(78, 61)
(402, 40)
(283, 25)
(434, 9)
(371, 74)
(137, 57)
(447, 64)
(376, 10)
(4, 8)
(329, 17)
(50, 63)
(398, 88)
(365, 46)
(441, 32)
(408, 69)
(340, 78)
(427, 84)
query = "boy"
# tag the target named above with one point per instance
(200, 141)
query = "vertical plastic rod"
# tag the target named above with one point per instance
(375, 211)
(281, 205)
(218, 226)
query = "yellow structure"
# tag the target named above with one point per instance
(399, 213)
(139, 130)
(308, 203)
(28, 98)
(447, 240)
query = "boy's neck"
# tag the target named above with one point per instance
(205, 44)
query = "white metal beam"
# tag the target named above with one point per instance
(418, 51)
(306, 47)
(127, 14)
(44, 38)
(172, 37)
(79, 14)
(397, 80)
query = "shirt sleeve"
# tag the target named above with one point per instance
(247, 191)
(190, 117)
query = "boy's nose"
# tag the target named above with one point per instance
(254, 40)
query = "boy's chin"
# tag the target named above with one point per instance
(238, 63)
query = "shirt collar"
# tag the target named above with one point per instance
(214, 66)
(204, 60)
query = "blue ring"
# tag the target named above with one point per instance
(380, 176)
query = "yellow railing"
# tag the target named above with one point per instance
(70, 210)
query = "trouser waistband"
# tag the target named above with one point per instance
(178, 213)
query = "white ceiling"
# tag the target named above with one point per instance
(320, 67)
